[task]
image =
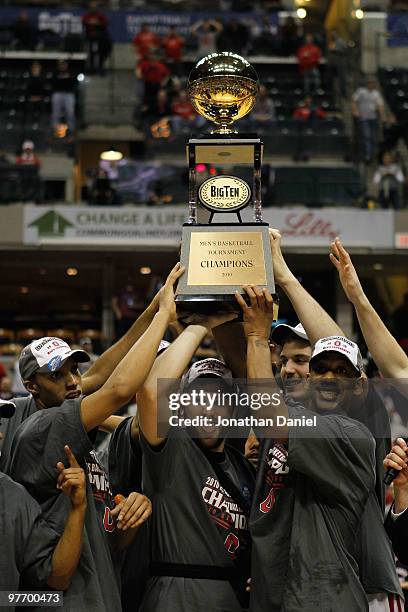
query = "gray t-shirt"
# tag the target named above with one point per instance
(368, 102)
(37, 446)
(27, 542)
(25, 406)
(307, 510)
(195, 522)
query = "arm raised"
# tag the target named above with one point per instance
(386, 352)
(316, 321)
(133, 369)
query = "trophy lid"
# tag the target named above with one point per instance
(223, 88)
(223, 64)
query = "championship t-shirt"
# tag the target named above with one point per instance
(308, 504)
(195, 522)
(37, 446)
(26, 541)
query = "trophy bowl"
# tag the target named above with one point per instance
(222, 88)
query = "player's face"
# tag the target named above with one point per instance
(333, 381)
(252, 449)
(210, 435)
(54, 388)
(294, 359)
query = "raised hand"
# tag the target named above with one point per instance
(281, 270)
(166, 301)
(258, 317)
(132, 511)
(347, 272)
(72, 480)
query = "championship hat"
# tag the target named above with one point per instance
(208, 368)
(341, 345)
(282, 332)
(47, 355)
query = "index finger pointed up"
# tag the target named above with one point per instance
(71, 457)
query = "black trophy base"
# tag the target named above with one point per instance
(207, 304)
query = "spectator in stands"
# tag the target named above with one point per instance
(36, 82)
(368, 109)
(289, 35)
(25, 35)
(63, 97)
(308, 111)
(146, 42)
(173, 45)
(234, 37)
(154, 74)
(27, 156)
(97, 38)
(183, 112)
(309, 55)
(337, 60)
(5, 388)
(102, 192)
(206, 32)
(161, 106)
(389, 178)
(263, 113)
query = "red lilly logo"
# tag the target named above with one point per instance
(308, 224)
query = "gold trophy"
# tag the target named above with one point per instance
(221, 257)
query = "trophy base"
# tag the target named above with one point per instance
(213, 304)
(207, 304)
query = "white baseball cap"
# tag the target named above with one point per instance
(47, 354)
(341, 345)
(281, 332)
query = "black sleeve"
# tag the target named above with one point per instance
(397, 530)
(337, 455)
(38, 446)
(125, 460)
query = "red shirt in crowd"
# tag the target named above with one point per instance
(306, 112)
(94, 22)
(28, 159)
(173, 47)
(153, 71)
(184, 109)
(146, 42)
(308, 56)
